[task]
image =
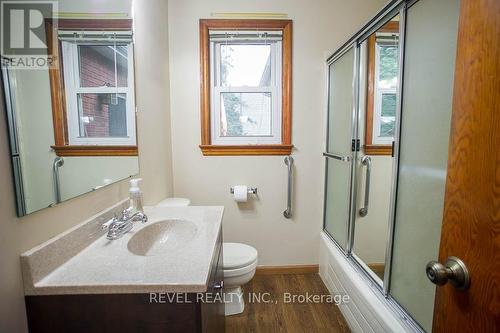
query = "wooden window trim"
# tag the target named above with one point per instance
(57, 93)
(285, 148)
(369, 147)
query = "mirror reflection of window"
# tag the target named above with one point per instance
(98, 87)
(378, 75)
(386, 74)
(381, 103)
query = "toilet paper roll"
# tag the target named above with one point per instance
(240, 193)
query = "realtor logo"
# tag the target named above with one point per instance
(23, 34)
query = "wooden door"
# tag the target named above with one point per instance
(471, 225)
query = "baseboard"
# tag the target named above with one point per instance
(377, 267)
(288, 269)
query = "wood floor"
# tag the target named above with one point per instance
(279, 316)
(378, 269)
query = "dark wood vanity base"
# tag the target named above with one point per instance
(134, 313)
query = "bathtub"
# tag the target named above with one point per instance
(367, 309)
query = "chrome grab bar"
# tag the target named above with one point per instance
(58, 162)
(367, 161)
(338, 157)
(288, 211)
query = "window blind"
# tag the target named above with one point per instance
(95, 36)
(245, 35)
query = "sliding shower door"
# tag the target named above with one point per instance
(377, 118)
(339, 147)
(430, 48)
(389, 111)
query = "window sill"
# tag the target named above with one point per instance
(95, 150)
(213, 150)
(378, 150)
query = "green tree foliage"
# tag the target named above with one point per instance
(232, 104)
(232, 101)
(388, 72)
(388, 62)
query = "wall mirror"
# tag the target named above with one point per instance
(72, 123)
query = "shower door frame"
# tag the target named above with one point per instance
(392, 9)
(352, 175)
(395, 7)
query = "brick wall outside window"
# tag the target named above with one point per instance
(97, 70)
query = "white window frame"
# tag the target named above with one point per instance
(379, 92)
(275, 90)
(377, 121)
(72, 88)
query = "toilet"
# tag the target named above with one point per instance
(239, 264)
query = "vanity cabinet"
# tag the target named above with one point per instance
(133, 313)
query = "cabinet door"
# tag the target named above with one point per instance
(213, 317)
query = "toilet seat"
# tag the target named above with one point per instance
(238, 256)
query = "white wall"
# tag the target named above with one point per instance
(96, 7)
(319, 28)
(20, 234)
(153, 98)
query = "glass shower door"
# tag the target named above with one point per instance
(377, 118)
(339, 147)
(380, 195)
(430, 48)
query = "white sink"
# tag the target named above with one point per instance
(162, 237)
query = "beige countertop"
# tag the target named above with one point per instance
(83, 261)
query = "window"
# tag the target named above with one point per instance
(93, 90)
(246, 78)
(383, 48)
(246, 84)
(98, 94)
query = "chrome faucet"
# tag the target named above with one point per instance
(120, 225)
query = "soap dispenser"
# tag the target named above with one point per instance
(135, 195)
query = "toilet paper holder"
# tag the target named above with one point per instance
(251, 190)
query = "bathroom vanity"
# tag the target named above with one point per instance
(162, 276)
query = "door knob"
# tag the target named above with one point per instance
(454, 270)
